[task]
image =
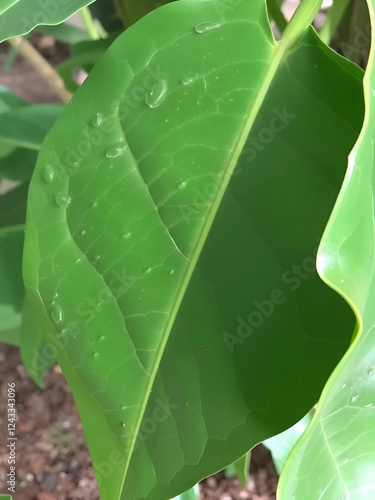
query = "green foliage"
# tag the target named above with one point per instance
(19, 17)
(173, 224)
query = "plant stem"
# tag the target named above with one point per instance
(89, 23)
(333, 20)
(277, 15)
(43, 67)
(302, 18)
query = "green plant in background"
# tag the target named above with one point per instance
(173, 223)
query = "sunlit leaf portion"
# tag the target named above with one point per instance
(336, 456)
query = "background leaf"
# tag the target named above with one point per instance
(281, 445)
(336, 456)
(158, 355)
(19, 17)
(26, 127)
(37, 356)
(240, 468)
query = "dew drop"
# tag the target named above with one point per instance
(49, 173)
(123, 407)
(187, 404)
(55, 296)
(354, 398)
(123, 425)
(78, 260)
(126, 235)
(98, 257)
(156, 95)
(187, 80)
(116, 150)
(370, 372)
(345, 460)
(96, 120)
(368, 405)
(83, 232)
(205, 27)
(171, 271)
(94, 205)
(63, 200)
(95, 355)
(181, 185)
(344, 385)
(56, 313)
(147, 270)
(101, 338)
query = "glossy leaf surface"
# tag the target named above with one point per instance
(336, 456)
(180, 296)
(19, 17)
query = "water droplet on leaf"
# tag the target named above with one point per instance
(101, 338)
(344, 385)
(171, 271)
(187, 80)
(156, 95)
(95, 355)
(49, 173)
(116, 150)
(181, 185)
(126, 235)
(63, 200)
(56, 313)
(97, 120)
(205, 27)
(147, 270)
(354, 398)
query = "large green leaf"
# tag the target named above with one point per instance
(188, 313)
(18, 17)
(336, 456)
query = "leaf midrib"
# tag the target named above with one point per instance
(281, 49)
